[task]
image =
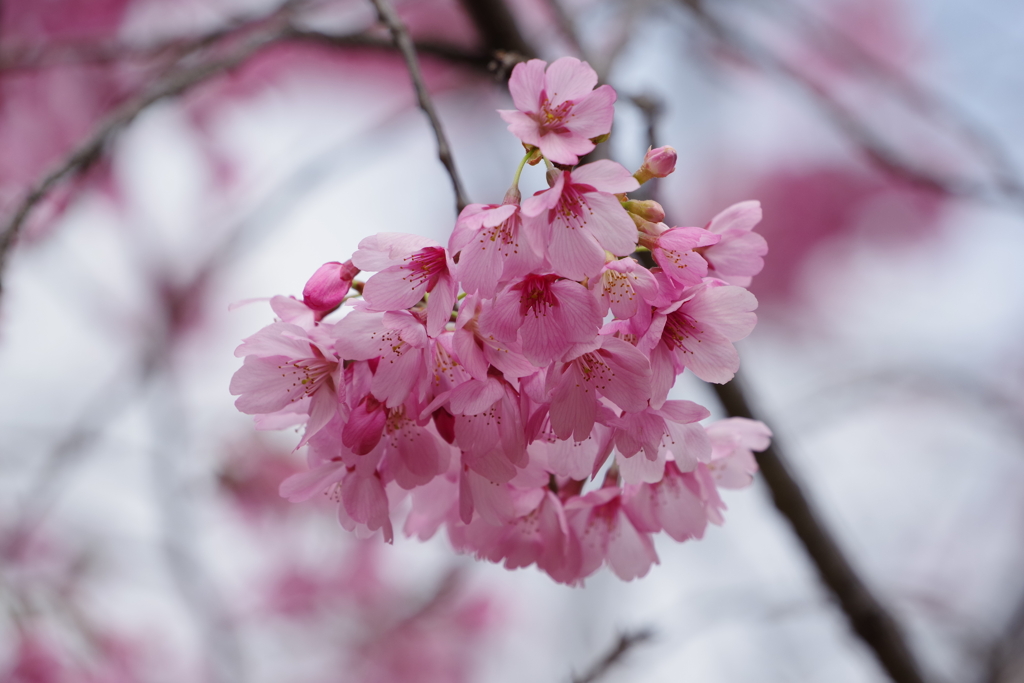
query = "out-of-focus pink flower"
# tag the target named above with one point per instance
(607, 534)
(737, 256)
(558, 110)
(733, 443)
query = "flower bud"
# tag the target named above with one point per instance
(658, 163)
(648, 209)
(329, 285)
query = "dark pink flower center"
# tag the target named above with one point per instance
(535, 295)
(552, 119)
(427, 264)
(307, 375)
(680, 329)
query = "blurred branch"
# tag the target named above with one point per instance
(868, 617)
(931, 104)
(404, 43)
(625, 643)
(179, 529)
(874, 148)
(87, 152)
(568, 29)
(448, 52)
(498, 28)
(1006, 656)
(181, 81)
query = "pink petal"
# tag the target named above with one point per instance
(526, 84)
(393, 290)
(605, 175)
(569, 79)
(592, 114)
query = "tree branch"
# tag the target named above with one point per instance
(497, 27)
(868, 617)
(87, 152)
(625, 643)
(404, 43)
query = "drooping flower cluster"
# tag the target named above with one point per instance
(514, 386)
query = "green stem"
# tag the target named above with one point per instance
(522, 165)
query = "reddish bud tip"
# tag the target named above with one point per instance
(658, 163)
(329, 285)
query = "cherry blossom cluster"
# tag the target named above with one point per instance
(514, 386)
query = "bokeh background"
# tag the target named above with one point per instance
(227, 148)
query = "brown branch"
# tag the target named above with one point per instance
(1006, 655)
(868, 617)
(625, 643)
(497, 27)
(445, 51)
(404, 43)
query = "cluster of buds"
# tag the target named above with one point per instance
(513, 387)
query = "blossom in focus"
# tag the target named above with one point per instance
(487, 412)
(558, 109)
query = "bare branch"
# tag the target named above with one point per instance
(625, 643)
(405, 45)
(445, 51)
(868, 617)
(402, 40)
(1006, 656)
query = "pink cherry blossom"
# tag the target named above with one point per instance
(675, 504)
(548, 315)
(624, 287)
(579, 218)
(670, 428)
(398, 340)
(410, 267)
(697, 333)
(492, 246)
(607, 534)
(288, 368)
(658, 163)
(559, 110)
(733, 443)
(612, 369)
(675, 251)
(737, 257)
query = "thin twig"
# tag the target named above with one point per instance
(868, 617)
(625, 643)
(405, 45)
(83, 156)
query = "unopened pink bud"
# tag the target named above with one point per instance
(648, 209)
(658, 163)
(329, 285)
